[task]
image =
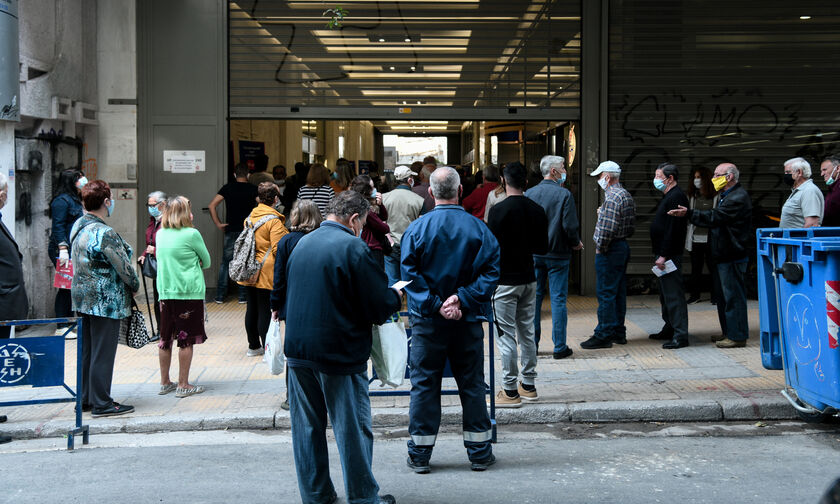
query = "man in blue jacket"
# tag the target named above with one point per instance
(452, 261)
(335, 293)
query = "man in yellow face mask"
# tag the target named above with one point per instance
(729, 226)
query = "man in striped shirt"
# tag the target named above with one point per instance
(616, 223)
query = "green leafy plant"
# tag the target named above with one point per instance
(337, 15)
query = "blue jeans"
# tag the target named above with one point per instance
(611, 290)
(557, 272)
(227, 255)
(392, 266)
(312, 396)
(733, 306)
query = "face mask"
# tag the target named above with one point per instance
(110, 208)
(81, 182)
(698, 183)
(831, 179)
(280, 182)
(659, 184)
(789, 179)
(719, 182)
(154, 212)
(562, 178)
(373, 193)
(603, 183)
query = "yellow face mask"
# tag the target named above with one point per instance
(719, 182)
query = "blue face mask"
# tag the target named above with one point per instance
(562, 178)
(659, 184)
(110, 208)
(154, 212)
(373, 193)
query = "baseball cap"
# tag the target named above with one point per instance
(403, 172)
(606, 166)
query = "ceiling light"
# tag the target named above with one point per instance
(804, 18)
(408, 39)
(405, 102)
(392, 68)
(413, 68)
(381, 39)
(419, 102)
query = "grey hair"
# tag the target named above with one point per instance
(834, 159)
(445, 182)
(348, 203)
(157, 195)
(4, 182)
(549, 162)
(425, 173)
(734, 171)
(800, 164)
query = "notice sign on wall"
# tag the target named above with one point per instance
(183, 161)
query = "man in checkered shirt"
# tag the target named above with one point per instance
(616, 223)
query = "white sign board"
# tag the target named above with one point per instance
(183, 161)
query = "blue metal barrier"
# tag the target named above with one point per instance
(447, 373)
(39, 362)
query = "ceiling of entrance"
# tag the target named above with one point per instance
(408, 54)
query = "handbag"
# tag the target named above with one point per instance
(133, 332)
(389, 352)
(274, 348)
(149, 268)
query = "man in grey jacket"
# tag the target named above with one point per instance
(563, 237)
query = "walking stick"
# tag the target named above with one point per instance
(155, 335)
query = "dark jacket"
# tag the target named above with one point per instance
(151, 233)
(281, 260)
(667, 233)
(335, 293)
(376, 230)
(729, 225)
(521, 227)
(563, 225)
(65, 210)
(14, 304)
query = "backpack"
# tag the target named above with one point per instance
(243, 266)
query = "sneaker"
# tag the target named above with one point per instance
(113, 410)
(505, 401)
(387, 499)
(565, 353)
(595, 343)
(169, 387)
(419, 467)
(728, 343)
(482, 465)
(718, 337)
(218, 301)
(186, 392)
(528, 395)
(255, 352)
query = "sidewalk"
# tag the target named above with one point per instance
(635, 382)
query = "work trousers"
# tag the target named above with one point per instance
(611, 290)
(433, 341)
(513, 308)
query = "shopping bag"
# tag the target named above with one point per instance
(63, 275)
(389, 352)
(133, 332)
(274, 348)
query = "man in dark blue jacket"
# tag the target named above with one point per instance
(335, 293)
(452, 260)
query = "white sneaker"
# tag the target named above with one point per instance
(254, 352)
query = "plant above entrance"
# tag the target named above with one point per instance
(337, 15)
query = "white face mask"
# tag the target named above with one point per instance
(603, 182)
(698, 183)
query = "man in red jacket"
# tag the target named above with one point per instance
(477, 200)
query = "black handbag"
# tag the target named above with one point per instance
(149, 268)
(133, 332)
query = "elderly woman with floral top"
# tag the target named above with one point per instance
(104, 281)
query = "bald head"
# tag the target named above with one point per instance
(445, 183)
(728, 170)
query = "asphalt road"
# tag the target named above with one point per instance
(629, 463)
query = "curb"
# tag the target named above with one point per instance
(692, 410)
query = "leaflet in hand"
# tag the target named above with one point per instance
(669, 267)
(401, 284)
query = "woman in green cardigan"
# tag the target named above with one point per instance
(181, 256)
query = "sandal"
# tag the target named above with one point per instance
(169, 387)
(186, 392)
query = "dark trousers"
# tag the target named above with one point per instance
(99, 348)
(611, 290)
(672, 300)
(257, 316)
(698, 282)
(5, 332)
(432, 342)
(156, 304)
(63, 305)
(732, 302)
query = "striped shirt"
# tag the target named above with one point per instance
(320, 195)
(616, 217)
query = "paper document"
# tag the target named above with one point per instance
(402, 283)
(669, 267)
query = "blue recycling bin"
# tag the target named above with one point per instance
(799, 312)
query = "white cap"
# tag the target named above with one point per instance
(606, 166)
(402, 172)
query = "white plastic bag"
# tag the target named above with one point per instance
(274, 348)
(389, 352)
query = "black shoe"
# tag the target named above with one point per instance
(387, 499)
(5, 438)
(565, 353)
(662, 335)
(620, 340)
(594, 343)
(3, 418)
(674, 344)
(693, 299)
(482, 465)
(114, 410)
(418, 466)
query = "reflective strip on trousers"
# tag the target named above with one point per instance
(478, 437)
(424, 440)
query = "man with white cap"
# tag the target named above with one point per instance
(616, 223)
(404, 206)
